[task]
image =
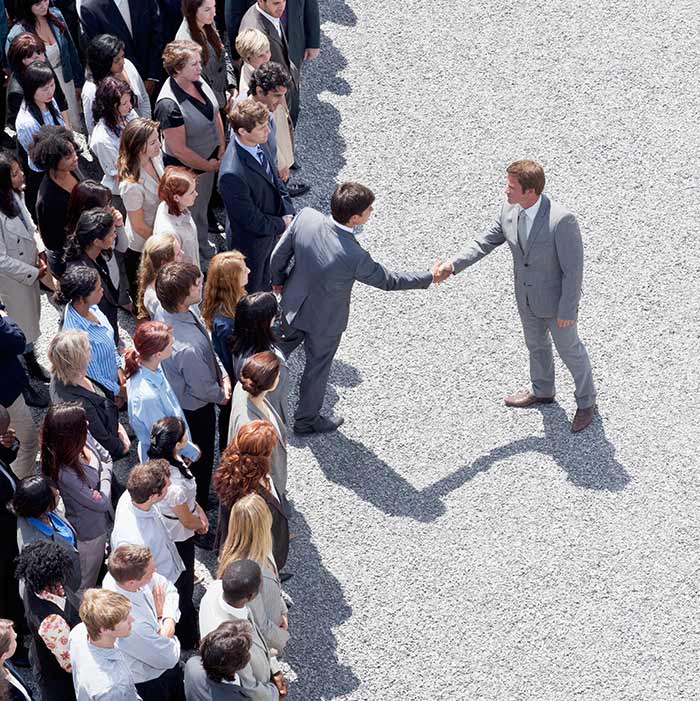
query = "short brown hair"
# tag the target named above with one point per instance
(530, 175)
(350, 199)
(173, 284)
(259, 372)
(226, 650)
(147, 479)
(177, 53)
(248, 114)
(175, 181)
(102, 609)
(129, 562)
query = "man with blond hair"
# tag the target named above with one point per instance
(100, 672)
(545, 241)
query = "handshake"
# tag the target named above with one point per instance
(441, 271)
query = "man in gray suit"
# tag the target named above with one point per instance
(545, 241)
(316, 291)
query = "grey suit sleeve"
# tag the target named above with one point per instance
(567, 240)
(372, 273)
(282, 254)
(480, 247)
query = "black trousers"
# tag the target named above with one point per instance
(202, 423)
(224, 418)
(169, 686)
(132, 260)
(187, 628)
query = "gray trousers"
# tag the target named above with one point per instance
(320, 351)
(92, 555)
(539, 334)
(205, 185)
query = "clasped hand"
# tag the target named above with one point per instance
(441, 271)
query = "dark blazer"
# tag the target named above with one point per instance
(12, 692)
(145, 47)
(199, 687)
(12, 344)
(102, 412)
(303, 25)
(255, 204)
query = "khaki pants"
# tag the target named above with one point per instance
(28, 435)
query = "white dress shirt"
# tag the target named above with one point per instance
(125, 12)
(148, 653)
(530, 214)
(275, 20)
(341, 226)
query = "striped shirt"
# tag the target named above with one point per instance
(104, 358)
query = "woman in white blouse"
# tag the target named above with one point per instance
(105, 57)
(178, 192)
(182, 515)
(112, 110)
(139, 169)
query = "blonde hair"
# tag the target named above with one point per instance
(223, 288)
(249, 534)
(6, 628)
(131, 145)
(102, 609)
(251, 42)
(69, 355)
(157, 252)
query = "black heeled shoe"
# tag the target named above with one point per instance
(35, 370)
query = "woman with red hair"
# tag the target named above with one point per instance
(245, 469)
(149, 393)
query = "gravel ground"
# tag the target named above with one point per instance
(446, 547)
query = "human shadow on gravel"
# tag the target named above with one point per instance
(319, 607)
(588, 458)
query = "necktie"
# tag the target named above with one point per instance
(522, 230)
(263, 160)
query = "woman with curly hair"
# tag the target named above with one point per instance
(82, 469)
(250, 538)
(45, 568)
(112, 110)
(56, 153)
(139, 169)
(50, 26)
(92, 244)
(105, 57)
(157, 252)
(245, 469)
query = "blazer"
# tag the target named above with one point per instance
(144, 47)
(12, 344)
(102, 412)
(8, 521)
(255, 204)
(13, 693)
(268, 607)
(327, 262)
(199, 687)
(549, 272)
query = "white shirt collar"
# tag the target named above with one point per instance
(531, 212)
(237, 612)
(274, 20)
(342, 226)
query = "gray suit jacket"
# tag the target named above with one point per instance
(243, 411)
(327, 262)
(549, 272)
(198, 686)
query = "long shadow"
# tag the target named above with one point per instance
(319, 608)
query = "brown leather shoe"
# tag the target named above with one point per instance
(582, 418)
(523, 400)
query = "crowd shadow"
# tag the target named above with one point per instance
(312, 649)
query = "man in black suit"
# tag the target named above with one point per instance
(138, 24)
(257, 203)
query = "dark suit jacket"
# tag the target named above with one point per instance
(198, 686)
(303, 25)
(12, 344)
(255, 204)
(13, 694)
(144, 49)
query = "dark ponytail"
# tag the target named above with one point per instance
(166, 433)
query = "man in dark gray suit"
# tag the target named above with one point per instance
(545, 241)
(316, 292)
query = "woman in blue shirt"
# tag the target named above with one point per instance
(81, 291)
(150, 396)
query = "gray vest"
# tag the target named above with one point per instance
(200, 133)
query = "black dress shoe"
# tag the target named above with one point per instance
(35, 370)
(285, 576)
(34, 398)
(322, 424)
(297, 189)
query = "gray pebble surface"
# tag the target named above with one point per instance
(447, 547)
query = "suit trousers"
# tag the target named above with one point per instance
(168, 686)
(202, 423)
(205, 185)
(28, 436)
(539, 334)
(187, 628)
(320, 351)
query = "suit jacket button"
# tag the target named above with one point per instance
(526, 264)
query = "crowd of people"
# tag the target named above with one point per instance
(184, 113)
